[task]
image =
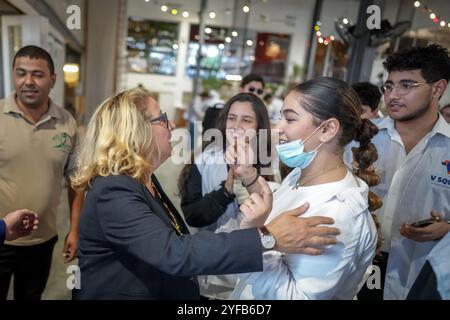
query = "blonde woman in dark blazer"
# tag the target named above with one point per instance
(133, 243)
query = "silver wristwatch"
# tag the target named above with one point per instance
(267, 239)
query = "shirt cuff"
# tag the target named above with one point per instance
(2, 231)
(223, 197)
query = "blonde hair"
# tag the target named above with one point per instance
(118, 140)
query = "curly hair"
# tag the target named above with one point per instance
(118, 140)
(433, 62)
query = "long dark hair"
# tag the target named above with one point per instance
(263, 122)
(327, 98)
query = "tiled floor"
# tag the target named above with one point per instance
(56, 286)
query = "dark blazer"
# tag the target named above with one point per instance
(128, 248)
(2, 231)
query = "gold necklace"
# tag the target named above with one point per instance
(311, 177)
(172, 218)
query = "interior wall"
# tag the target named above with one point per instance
(101, 48)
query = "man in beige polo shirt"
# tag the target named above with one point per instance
(37, 141)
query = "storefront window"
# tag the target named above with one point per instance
(271, 56)
(238, 52)
(152, 46)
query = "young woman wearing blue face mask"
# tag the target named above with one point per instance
(319, 118)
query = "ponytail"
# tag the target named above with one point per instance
(364, 157)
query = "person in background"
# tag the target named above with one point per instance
(433, 281)
(19, 223)
(445, 112)
(274, 105)
(37, 146)
(133, 242)
(213, 107)
(413, 146)
(253, 83)
(370, 96)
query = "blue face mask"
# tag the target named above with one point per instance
(292, 153)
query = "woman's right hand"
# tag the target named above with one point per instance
(294, 234)
(257, 207)
(239, 156)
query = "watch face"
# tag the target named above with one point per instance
(268, 241)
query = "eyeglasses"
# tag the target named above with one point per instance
(161, 119)
(253, 89)
(403, 88)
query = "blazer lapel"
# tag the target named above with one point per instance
(169, 203)
(155, 206)
(159, 210)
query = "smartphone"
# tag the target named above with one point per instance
(425, 223)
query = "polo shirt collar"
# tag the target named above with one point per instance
(11, 107)
(441, 127)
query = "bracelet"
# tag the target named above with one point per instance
(248, 185)
(243, 178)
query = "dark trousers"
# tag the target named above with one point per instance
(425, 287)
(375, 294)
(30, 266)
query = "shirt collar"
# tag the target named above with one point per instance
(441, 126)
(387, 124)
(11, 107)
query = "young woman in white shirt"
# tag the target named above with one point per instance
(319, 117)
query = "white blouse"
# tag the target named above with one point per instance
(333, 275)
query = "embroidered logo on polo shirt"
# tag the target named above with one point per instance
(442, 181)
(62, 141)
(447, 164)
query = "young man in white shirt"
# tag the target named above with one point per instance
(414, 163)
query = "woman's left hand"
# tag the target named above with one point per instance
(257, 207)
(70, 246)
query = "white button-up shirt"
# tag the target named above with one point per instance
(411, 186)
(439, 259)
(333, 275)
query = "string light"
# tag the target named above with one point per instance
(431, 14)
(326, 40)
